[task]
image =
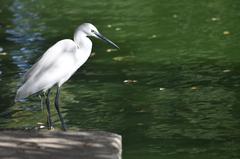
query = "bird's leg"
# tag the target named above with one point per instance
(57, 108)
(49, 120)
(42, 97)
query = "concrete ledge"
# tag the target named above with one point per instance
(20, 144)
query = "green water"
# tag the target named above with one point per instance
(184, 56)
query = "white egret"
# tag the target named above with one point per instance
(58, 64)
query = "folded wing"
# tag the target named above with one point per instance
(50, 68)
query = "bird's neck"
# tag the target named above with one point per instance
(84, 46)
(81, 39)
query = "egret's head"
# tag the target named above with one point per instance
(91, 30)
(88, 29)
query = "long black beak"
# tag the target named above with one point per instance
(100, 36)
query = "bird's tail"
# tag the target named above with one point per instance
(22, 93)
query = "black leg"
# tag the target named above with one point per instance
(42, 98)
(49, 119)
(57, 108)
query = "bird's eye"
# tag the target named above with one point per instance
(92, 31)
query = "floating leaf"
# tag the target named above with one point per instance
(215, 19)
(226, 32)
(226, 71)
(111, 50)
(153, 36)
(130, 81)
(175, 16)
(194, 88)
(117, 29)
(140, 124)
(118, 58)
(123, 58)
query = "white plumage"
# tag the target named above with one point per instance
(55, 67)
(60, 62)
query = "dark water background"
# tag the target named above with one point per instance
(184, 56)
